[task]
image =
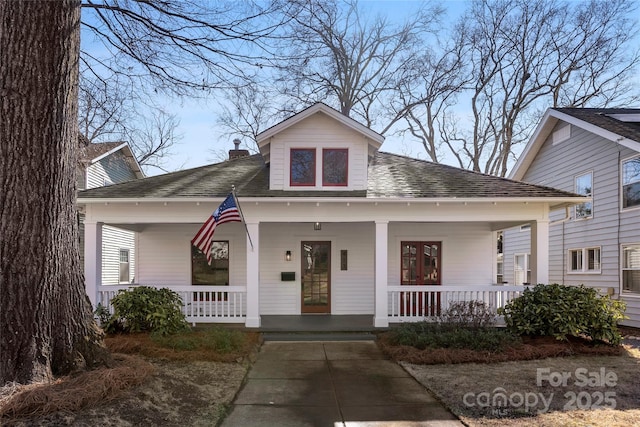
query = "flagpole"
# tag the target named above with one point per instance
(233, 192)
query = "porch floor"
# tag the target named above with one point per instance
(318, 323)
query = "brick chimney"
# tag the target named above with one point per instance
(236, 153)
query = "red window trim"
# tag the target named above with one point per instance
(346, 183)
(296, 184)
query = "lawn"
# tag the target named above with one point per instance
(584, 390)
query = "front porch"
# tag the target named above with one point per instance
(227, 305)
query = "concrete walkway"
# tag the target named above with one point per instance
(332, 384)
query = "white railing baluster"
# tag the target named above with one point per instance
(201, 304)
(415, 303)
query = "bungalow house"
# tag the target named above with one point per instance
(594, 152)
(332, 226)
(103, 164)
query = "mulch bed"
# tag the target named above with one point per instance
(531, 348)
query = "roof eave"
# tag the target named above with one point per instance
(544, 128)
(553, 202)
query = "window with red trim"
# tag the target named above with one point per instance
(335, 166)
(303, 166)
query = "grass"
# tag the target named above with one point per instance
(214, 344)
(472, 391)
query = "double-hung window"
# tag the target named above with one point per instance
(584, 260)
(522, 269)
(631, 183)
(584, 186)
(123, 272)
(631, 268)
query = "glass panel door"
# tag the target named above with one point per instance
(421, 264)
(316, 277)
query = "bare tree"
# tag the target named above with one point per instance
(525, 56)
(46, 320)
(181, 46)
(340, 56)
(426, 99)
(104, 108)
(154, 138)
(246, 111)
(109, 111)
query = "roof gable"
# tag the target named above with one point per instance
(263, 138)
(92, 152)
(618, 125)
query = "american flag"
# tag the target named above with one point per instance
(226, 212)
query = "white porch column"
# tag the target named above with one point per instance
(381, 316)
(92, 259)
(539, 252)
(253, 276)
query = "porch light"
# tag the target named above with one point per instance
(317, 226)
(287, 256)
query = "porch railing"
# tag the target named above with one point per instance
(201, 304)
(414, 303)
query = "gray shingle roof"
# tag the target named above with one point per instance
(390, 176)
(90, 150)
(601, 117)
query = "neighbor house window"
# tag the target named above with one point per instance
(216, 274)
(584, 186)
(522, 269)
(303, 166)
(335, 163)
(584, 260)
(631, 183)
(631, 268)
(124, 266)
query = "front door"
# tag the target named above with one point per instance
(421, 265)
(316, 277)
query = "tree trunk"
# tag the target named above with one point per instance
(46, 322)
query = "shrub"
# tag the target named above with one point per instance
(425, 335)
(469, 314)
(144, 308)
(561, 311)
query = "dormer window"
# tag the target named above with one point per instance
(303, 167)
(335, 166)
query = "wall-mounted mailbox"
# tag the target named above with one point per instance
(288, 276)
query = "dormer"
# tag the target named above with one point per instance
(318, 149)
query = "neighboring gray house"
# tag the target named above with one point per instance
(595, 152)
(103, 164)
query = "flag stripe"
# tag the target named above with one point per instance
(226, 212)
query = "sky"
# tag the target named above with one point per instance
(202, 140)
(201, 136)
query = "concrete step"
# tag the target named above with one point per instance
(318, 336)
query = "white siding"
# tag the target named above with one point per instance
(111, 169)
(165, 253)
(351, 290)
(557, 165)
(114, 239)
(467, 251)
(318, 131)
